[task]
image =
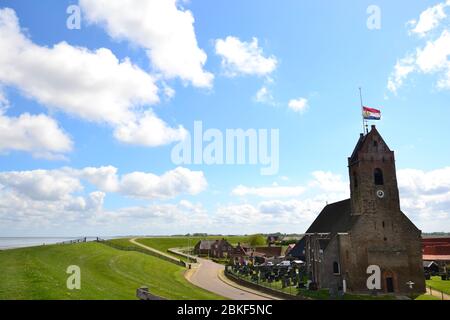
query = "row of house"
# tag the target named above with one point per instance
(221, 249)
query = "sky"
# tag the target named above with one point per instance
(100, 101)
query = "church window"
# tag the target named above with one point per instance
(355, 180)
(378, 176)
(383, 224)
(375, 145)
(336, 269)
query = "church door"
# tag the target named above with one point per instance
(390, 284)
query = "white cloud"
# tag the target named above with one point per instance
(264, 96)
(425, 197)
(38, 134)
(274, 191)
(401, 71)
(94, 86)
(246, 58)
(41, 184)
(165, 31)
(298, 105)
(58, 184)
(329, 182)
(432, 57)
(91, 85)
(429, 19)
(169, 185)
(149, 130)
(55, 201)
(104, 178)
(268, 216)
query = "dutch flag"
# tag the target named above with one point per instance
(371, 114)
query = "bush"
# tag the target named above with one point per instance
(257, 240)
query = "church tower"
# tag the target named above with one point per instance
(373, 179)
(367, 230)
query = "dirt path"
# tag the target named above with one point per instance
(168, 256)
(438, 294)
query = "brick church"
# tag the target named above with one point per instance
(368, 229)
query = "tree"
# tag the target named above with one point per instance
(257, 240)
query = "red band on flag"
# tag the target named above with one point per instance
(371, 110)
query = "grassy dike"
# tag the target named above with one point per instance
(106, 274)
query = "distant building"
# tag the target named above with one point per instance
(431, 267)
(289, 249)
(436, 249)
(368, 229)
(272, 239)
(269, 252)
(213, 248)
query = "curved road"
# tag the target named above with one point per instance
(209, 276)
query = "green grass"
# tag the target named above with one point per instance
(106, 273)
(163, 244)
(122, 242)
(438, 284)
(426, 297)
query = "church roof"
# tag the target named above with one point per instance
(334, 218)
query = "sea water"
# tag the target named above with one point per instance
(22, 242)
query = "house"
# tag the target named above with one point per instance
(269, 251)
(240, 250)
(221, 249)
(213, 248)
(272, 239)
(431, 267)
(289, 249)
(369, 229)
(203, 247)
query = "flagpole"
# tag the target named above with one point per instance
(365, 126)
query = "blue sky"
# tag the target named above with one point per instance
(314, 52)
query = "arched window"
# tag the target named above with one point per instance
(378, 177)
(336, 268)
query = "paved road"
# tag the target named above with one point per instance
(209, 276)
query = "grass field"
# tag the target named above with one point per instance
(438, 284)
(426, 297)
(106, 273)
(162, 244)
